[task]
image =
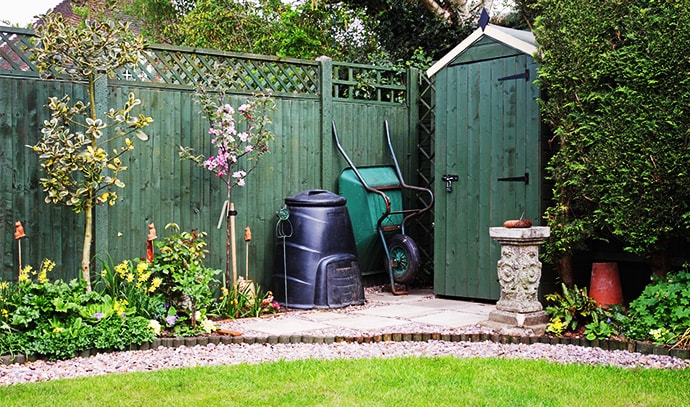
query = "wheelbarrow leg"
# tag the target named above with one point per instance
(389, 268)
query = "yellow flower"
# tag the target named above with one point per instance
(24, 274)
(122, 269)
(104, 273)
(143, 277)
(155, 283)
(142, 267)
(130, 277)
(47, 265)
(4, 313)
(4, 285)
(119, 306)
(42, 276)
(155, 326)
(556, 326)
(58, 329)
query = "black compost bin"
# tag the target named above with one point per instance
(316, 263)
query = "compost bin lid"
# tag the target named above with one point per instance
(315, 197)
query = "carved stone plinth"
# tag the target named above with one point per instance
(518, 310)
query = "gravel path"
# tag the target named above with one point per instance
(232, 354)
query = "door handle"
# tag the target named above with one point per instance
(522, 178)
(449, 179)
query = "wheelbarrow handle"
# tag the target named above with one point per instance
(366, 186)
(403, 184)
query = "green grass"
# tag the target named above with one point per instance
(443, 381)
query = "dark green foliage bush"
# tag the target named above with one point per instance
(662, 312)
(616, 81)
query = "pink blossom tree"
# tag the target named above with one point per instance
(239, 138)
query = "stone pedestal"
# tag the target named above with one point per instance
(518, 310)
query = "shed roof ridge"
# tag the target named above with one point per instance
(521, 40)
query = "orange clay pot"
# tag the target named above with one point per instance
(605, 284)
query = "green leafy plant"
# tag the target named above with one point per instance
(599, 328)
(662, 311)
(59, 338)
(133, 281)
(245, 302)
(120, 333)
(73, 149)
(569, 309)
(185, 281)
(58, 319)
(573, 310)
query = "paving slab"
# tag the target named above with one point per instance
(450, 319)
(458, 305)
(325, 316)
(412, 296)
(366, 322)
(286, 326)
(395, 311)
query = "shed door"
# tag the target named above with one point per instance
(487, 129)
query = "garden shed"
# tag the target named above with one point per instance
(489, 152)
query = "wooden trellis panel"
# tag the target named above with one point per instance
(179, 66)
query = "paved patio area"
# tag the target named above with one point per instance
(383, 310)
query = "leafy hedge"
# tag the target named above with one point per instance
(616, 75)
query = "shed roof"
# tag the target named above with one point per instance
(522, 41)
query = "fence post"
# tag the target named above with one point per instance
(413, 128)
(101, 211)
(326, 95)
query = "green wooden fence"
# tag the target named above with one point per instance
(161, 188)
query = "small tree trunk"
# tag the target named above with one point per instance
(88, 211)
(565, 270)
(229, 239)
(228, 251)
(86, 250)
(660, 263)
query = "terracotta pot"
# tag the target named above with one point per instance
(605, 284)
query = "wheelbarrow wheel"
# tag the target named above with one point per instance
(404, 258)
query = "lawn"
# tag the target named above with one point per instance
(440, 381)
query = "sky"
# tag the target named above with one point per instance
(21, 12)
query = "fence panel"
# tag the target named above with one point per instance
(159, 187)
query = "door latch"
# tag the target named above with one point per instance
(449, 179)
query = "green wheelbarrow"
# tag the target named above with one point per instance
(375, 203)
